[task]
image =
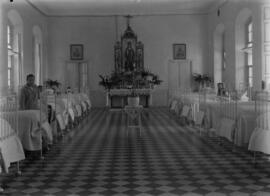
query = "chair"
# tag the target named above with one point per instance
(185, 113)
(134, 117)
(173, 105)
(199, 120)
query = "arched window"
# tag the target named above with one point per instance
(224, 57)
(219, 54)
(37, 46)
(248, 53)
(266, 46)
(243, 50)
(14, 47)
(11, 54)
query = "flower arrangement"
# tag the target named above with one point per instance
(130, 80)
(52, 83)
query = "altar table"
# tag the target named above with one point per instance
(117, 98)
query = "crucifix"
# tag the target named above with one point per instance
(128, 19)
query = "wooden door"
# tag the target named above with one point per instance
(72, 76)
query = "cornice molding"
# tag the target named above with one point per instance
(36, 8)
(125, 14)
(181, 12)
(217, 5)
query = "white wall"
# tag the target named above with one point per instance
(30, 17)
(98, 34)
(98, 37)
(228, 14)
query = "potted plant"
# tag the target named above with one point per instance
(201, 80)
(53, 84)
(105, 82)
(155, 80)
(206, 80)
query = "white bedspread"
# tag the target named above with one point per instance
(31, 124)
(10, 145)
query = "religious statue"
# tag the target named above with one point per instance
(130, 57)
(128, 52)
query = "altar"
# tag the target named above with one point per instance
(117, 98)
(129, 78)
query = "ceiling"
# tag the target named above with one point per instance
(123, 7)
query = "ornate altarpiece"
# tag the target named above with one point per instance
(128, 54)
(128, 57)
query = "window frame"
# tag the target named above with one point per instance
(14, 58)
(249, 52)
(224, 54)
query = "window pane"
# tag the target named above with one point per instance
(250, 27)
(267, 65)
(250, 37)
(267, 83)
(250, 71)
(8, 35)
(249, 59)
(250, 82)
(9, 61)
(249, 33)
(9, 78)
(267, 32)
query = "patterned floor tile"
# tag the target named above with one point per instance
(98, 158)
(188, 188)
(75, 190)
(215, 194)
(30, 190)
(52, 190)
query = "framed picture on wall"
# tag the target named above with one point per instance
(179, 51)
(76, 52)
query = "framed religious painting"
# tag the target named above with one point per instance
(179, 51)
(76, 52)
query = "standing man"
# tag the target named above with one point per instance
(29, 94)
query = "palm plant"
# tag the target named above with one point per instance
(201, 79)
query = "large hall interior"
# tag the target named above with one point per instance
(135, 97)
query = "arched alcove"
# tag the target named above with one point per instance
(218, 53)
(240, 42)
(16, 19)
(37, 58)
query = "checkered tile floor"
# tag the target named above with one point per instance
(99, 158)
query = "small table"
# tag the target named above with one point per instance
(134, 117)
(117, 98)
